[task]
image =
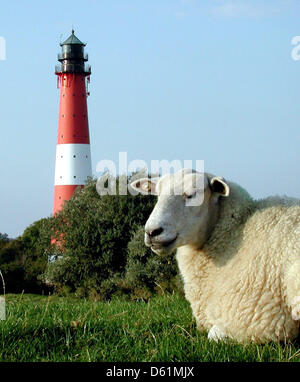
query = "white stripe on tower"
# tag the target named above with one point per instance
(73, 164)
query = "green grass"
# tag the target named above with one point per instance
(53, 328)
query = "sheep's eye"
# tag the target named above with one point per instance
(187, 196)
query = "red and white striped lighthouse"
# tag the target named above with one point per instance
(73, 157)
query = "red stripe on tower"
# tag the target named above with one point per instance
(73, 156)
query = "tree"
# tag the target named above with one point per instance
(35, 241)
(4, 240)
(92, 233)
(94, 247)
(24, 260)
(147, 272)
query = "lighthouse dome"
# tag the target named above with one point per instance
(72, 40)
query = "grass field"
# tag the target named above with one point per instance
(53, 328)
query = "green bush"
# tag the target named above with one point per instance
(23, 260)
(4, 240)
(147, 272)
(92, 233)
(94, 248)
(12, 266)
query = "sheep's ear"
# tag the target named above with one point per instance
(145, 186)
(219, 186)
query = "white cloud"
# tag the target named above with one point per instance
(245, 9)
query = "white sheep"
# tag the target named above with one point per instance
(239, 258)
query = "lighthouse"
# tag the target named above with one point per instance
(73, 156)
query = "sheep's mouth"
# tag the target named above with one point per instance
(164, 244)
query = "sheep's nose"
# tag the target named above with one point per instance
(155, 232)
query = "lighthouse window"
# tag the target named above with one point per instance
(59, 197)
(63, 115)
(74, 135)
(74, 176)
(61, 156)
(73, 94)
(62, 136)
(74, 156)
(73, 115)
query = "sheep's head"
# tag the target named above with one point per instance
(186, 209)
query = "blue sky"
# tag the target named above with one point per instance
(171, 79)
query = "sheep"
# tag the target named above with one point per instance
(239, 258)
